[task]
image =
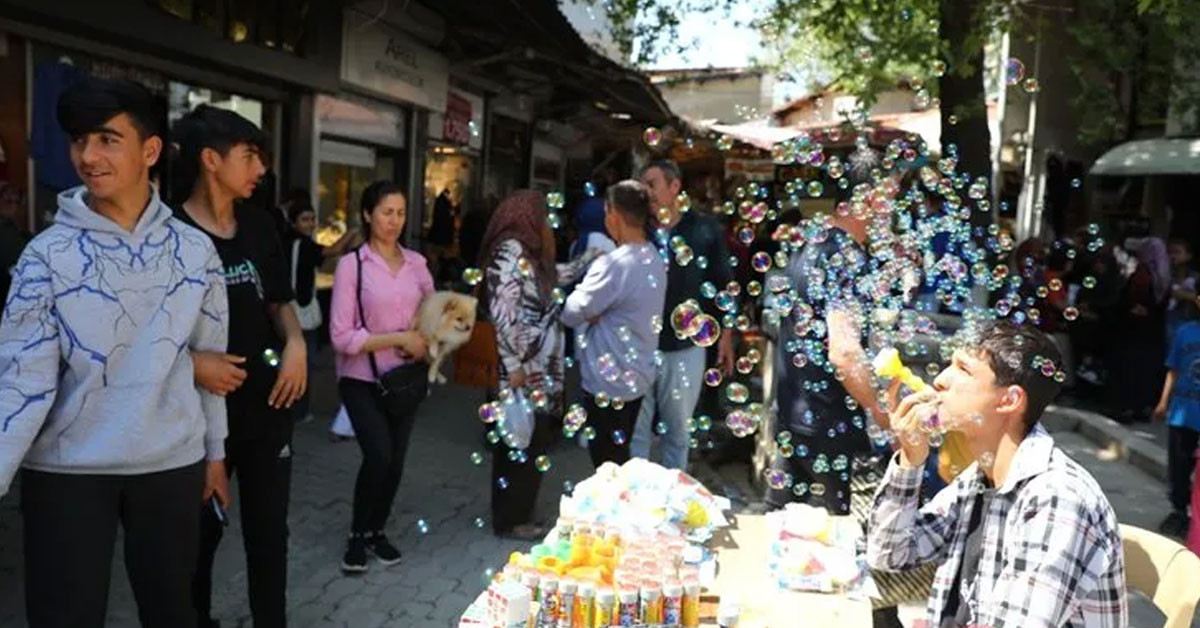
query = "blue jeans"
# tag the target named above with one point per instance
(673, 396)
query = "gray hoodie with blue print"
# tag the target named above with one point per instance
(95, 371)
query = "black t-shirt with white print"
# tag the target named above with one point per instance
(256, 275)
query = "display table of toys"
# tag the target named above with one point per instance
(640, 545)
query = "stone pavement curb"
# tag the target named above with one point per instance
(1107, 433)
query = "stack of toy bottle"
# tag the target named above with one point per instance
(587, 576)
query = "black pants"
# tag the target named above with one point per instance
(70, 531)
(514, 504)
(383, 438)
(607, 447)
(1181, 460)
(263, 466)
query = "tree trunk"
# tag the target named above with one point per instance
(962, 95)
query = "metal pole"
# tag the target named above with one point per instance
(1029, 187)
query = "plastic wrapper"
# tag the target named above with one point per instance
(642, 498)
(812, 551)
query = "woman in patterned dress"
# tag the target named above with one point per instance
(520, 276)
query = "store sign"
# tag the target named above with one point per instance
(462, 124)
(387, 61)
(456, 125)
(360, 119)
(750, 169)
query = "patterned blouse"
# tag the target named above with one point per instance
(528, 334)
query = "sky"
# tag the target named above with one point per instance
(720, 41)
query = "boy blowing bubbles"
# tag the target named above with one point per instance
(1024, 537)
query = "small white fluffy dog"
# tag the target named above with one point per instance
(445, 319)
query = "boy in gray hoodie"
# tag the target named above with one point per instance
(98, 402)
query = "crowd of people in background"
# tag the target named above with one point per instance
(168, 350)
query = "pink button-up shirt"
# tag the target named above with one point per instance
(390, 302)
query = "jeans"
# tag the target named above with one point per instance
(607, 446)
(383, 438)
(263, 466)
(673, 396)
(71, 530)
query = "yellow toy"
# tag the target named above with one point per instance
(953, 455)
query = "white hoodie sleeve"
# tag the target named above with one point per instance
(29, 361)
(212, 334)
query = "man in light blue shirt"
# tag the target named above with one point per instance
(616, 312)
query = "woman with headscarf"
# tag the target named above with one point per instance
(520, 276)
(1136, 368)
(589, 224)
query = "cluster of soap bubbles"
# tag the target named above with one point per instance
(689, 321)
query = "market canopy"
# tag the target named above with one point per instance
(1158, 156)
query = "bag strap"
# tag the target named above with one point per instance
(295, 261)
(362, 316)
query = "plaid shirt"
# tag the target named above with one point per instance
(1051, 552)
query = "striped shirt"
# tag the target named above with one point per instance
(1051, 554)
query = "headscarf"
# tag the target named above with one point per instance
(521, 216)
(589, 219)
(1152, 253)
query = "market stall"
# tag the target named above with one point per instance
(641, 545)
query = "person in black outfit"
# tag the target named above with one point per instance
(265, 369)
(305, 257)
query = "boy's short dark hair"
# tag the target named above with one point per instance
(85, 106)
(670, 169)
(1017, 355)
(295, 210)
(209, 127)
(630, 199)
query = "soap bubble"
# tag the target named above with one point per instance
(1014, 71)
(744, 365)
(554, 200)
(1071, 313)
(479, 522)
(502, 482)
(1089, 282)
(525, 266)
(761, 261)
(686, 319)
(490, 412)
(652, 136)
(422, 526)
(737, 392)
(601, 400)
(542, 463)
(589, 188)
(708, 331)
(476, 458)
(817, 489)
(589, 433)
(777, 480)
(472, 276)
(539, 398)
(270, 357)
(724, 142)
(1031, 86)
(607, 368)
(618, 437)
(712, 377)
(815, 188)
(684, 255)
(1076, 183)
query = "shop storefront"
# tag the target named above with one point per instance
(453, 167)
(256, 65)
(399, 84)
(361, 141)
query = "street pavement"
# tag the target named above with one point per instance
(444, 568)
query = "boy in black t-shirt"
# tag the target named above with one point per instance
(265, 370)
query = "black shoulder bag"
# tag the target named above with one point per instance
(403, 387)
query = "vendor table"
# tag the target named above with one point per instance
(742, 573)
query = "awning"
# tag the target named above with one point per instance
(1159, 156)
(757, 133)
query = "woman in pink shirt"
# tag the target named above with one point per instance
(394, 280)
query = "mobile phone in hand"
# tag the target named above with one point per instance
(218, 511)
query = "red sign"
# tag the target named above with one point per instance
(456, 125)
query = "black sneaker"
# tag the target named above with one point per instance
(1176, 525)
(383, 549)
(355, 560)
